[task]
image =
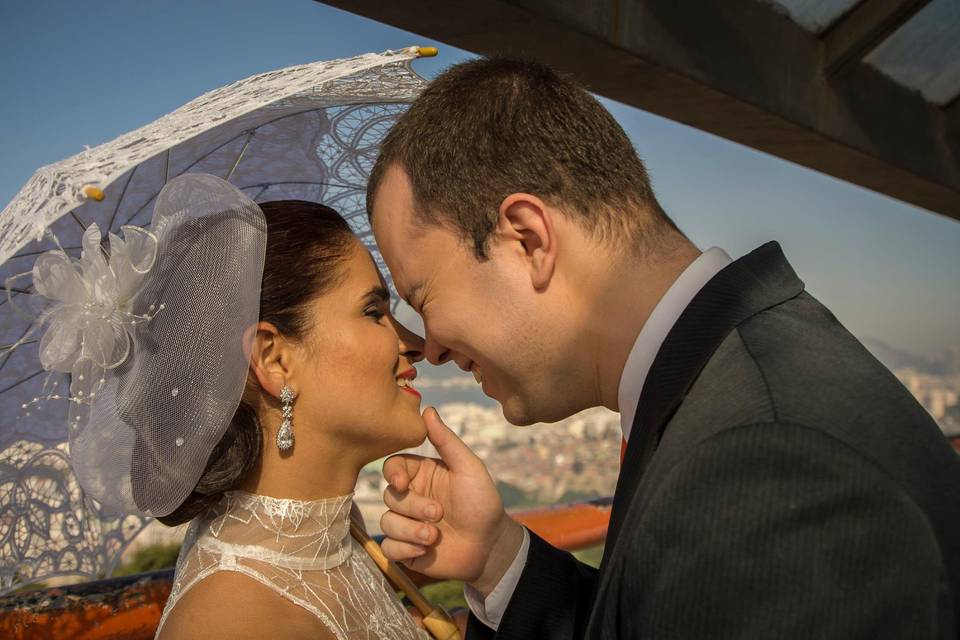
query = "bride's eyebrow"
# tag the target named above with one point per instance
(377, 293)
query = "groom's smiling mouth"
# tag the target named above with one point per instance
(471, 366)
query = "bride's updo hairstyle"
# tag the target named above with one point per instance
(306, 246)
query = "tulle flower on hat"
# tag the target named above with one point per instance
(88, 316)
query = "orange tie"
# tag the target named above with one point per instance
(623, 450)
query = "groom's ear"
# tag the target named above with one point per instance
(526, 224)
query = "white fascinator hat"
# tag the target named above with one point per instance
(152, 333)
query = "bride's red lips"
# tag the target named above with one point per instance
(409, 374)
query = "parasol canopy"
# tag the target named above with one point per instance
(308, 132)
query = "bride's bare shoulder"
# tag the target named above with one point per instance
(231, 605)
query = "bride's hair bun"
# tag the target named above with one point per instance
(230, 461)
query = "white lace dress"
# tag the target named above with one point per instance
(303, 551)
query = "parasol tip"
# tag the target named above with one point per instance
(93, 192)
(427, 52)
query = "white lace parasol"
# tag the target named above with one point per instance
(308, 132)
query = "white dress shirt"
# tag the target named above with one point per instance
(490, 610)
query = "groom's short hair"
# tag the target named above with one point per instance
(486, 128)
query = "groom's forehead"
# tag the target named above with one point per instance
(393, 193)
(397, 223)
(397, 232)
(394, 215)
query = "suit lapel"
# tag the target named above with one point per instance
(757, 281)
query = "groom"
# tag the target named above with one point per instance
(778, 482)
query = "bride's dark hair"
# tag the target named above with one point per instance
(306, 244)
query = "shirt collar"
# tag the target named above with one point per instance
(658, 325)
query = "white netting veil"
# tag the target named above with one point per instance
(142, 432)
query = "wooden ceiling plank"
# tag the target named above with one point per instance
(862, 29)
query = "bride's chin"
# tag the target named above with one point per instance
(417, 436)
(414, 432)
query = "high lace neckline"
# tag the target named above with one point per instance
(295, 534)
(302, 551)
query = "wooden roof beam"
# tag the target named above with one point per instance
(738, 69)
(861, 29)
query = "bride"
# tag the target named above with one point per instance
(247, 404)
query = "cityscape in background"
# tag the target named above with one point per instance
(579, 458)
(935, 383)
(572, 460)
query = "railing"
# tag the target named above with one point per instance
(129, 608)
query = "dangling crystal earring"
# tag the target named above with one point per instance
(285, 434)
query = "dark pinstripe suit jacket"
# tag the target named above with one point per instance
(781, 483)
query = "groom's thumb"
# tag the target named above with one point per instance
(452, 450)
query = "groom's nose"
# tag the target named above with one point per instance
(435, 352)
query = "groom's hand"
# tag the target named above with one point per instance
(445, 518)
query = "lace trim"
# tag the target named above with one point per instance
(270, 540)
(293, 534)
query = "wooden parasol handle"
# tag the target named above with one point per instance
(435, 619)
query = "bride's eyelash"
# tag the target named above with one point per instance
(374, 312)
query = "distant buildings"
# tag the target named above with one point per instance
(940, 395)
(573, 459)
(576, 458)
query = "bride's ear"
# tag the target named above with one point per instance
(270, 357)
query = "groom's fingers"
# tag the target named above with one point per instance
(400, 469)
(452, 450)
(401, 551)
(412, 505)
(402, 529)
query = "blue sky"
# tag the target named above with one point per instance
(83, 73)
